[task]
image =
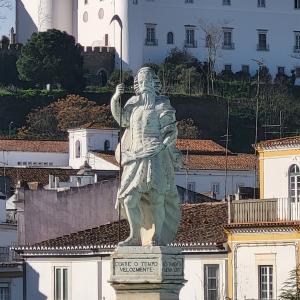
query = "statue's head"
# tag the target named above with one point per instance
(146, 81)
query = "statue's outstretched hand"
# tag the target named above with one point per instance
(120, 89)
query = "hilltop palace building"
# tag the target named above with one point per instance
(267, 30)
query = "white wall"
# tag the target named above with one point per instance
(250, 256)
(204, 180)
(276, 175)
(98, 163)
(89, 277)
(90, 139)
(194, 274)
(11, 158)
(41, 15)
(172, 15)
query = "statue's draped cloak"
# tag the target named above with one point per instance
(151, 173)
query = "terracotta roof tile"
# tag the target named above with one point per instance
(200, 223)
(34, 146)
(108, 156)
(238, 162)
(96, 125)
(40, 175)
(288, 141)
(200, 146)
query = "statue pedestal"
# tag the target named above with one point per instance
(147, 273)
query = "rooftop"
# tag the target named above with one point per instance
(200, 224)
(96, 125)
(237, 162)
(200, 146)
(40, 175)
(107, 155)
(34, 145)
(283, 142)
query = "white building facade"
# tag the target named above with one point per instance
(214, 181)
(88, 276)
(264, 30)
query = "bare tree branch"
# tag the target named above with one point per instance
(213, 42)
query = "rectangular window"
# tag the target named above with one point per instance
(227, 38)
(215, 188)
(211, 282)
(261, 3)
(297, 71)
(245, 69)
(297, 41)
(135, 2)
(265, 282)
(297, 4)
(4, 291)
(150, 35)
(190, 41)
(189, 1)
(262, 41)
(226, 2)
(61, 284)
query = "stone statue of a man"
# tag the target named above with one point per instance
(147, 192)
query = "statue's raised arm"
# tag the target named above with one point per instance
(115, 105)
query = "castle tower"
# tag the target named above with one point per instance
(41, 15)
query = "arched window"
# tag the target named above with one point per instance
(294, 182)
(77, 149)
(102, 77)
(170, 38)
(106, 145)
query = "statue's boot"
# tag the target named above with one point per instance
(134, 220)
(159, 218)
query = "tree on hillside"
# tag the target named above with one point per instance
(53, 121)
(8, 59)
(213, 43)
(52, 57)
(187, 129)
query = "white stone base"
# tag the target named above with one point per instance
(147, 273)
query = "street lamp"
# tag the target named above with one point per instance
(260, 64)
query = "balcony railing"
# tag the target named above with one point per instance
(262, 47)
(190, 44)
(7, 255)
(265, 210)
(151, 42)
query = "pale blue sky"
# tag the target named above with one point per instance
(7, 19)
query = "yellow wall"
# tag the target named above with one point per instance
(262, 154)
(253, 237)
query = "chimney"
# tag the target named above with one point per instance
(56, 183)
(51, 181)
(2, 211)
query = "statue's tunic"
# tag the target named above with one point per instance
(148, 164)
(143, 169)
